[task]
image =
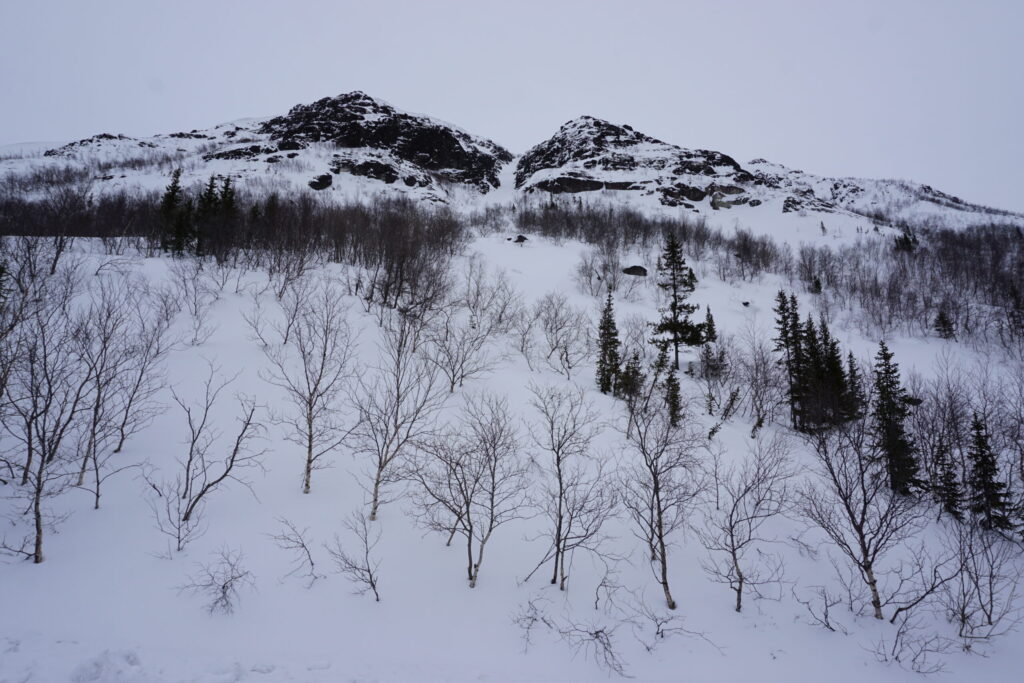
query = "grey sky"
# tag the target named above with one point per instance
(929, 91)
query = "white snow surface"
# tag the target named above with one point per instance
(105, 607)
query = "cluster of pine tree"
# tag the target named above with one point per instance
(823, 391)
(627, 379)
(984, 495)
(196, 226)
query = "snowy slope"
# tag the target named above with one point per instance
(105, 606)
(588, 155)
(354, 145)
(364, 143)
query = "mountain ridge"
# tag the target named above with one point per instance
(356, 144)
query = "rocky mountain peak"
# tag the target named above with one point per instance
(356, 120)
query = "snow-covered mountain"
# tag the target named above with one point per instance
(588, 154)
(372, 144)
(355, 145)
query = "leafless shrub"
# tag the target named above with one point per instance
(576, 500)
(660, 483)
(363, 568)
(310, 354)
(749, 495)
(196, 297)
(596, 638)
(457, 346)
(178, 505)
(44, 388)
(913, 645)
(293, 540)
(600, 269)
(819, 608)
(983, 600)
(221, 581)
(469, 480)
(396, 408)
(565, 333)
(852, 504)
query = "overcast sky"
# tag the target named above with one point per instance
(930, 91)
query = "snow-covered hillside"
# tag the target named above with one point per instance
(352, 146)
(408, 357)
(108, 603)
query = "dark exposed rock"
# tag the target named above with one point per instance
(673, 195)
(577, 184)
(357, 120)
(520, 239)
(791, 204)
(639, 271)
(369, 169)
(322, 181)
(290, 145)
(247, 152)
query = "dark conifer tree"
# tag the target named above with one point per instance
(710, 332)
(182, 229)
(947, 487)
(988, 495)
(632, 378)
(678, 282)
(891, 410)
(786, 343)
(170, 204)
(853, 399)
(673, 402)
(207, 210)
(608, 361)
(943, 325)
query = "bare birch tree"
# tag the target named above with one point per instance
(659, 483)
(43, 395)
(470, 479)
(179, 504)
(396, 406)
(748, 495)
(311, 361)
(851, 502)
(576, 499)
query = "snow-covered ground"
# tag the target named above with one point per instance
(106, 604)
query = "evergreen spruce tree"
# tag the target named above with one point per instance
(678, 281)
(835, 388)
(947, 488)
(673, 402)
(785, 343)
(943, 325)
(632, 378)
(891, 410)
(710, 332)
(988, 495)
(608, 361)
(228, 201)
(853, 398)
(207, 210)
(169, 208)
